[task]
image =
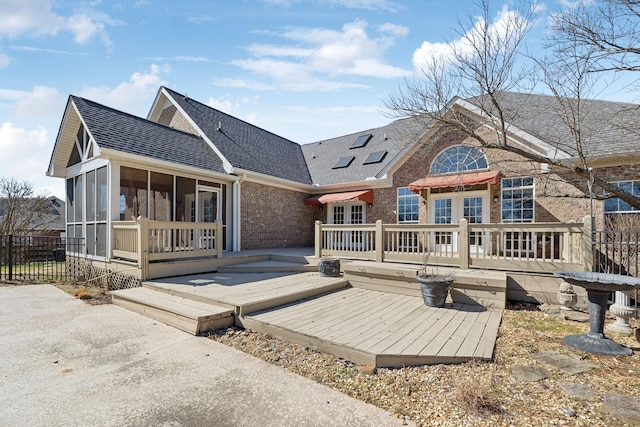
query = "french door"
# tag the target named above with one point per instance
(449, 208)
(347, 213)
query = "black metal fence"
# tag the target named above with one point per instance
(617, 252)
(37, 258)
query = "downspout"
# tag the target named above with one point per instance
(237, 184)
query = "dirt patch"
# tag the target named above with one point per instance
(93, 295)
(474, 393)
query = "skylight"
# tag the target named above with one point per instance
(361, 141)
(343, 162)
(375, 157)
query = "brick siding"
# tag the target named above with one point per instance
(273, 217)
(558, 196)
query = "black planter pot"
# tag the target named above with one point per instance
(329, 267)
(434, 289)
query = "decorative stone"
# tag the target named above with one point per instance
(567, 296)
(623, 407)
(529, 373)
(576, 391)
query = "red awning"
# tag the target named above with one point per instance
(351, 196)
(488, 177)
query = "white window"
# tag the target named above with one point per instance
(87, 211)
(517, 200)
(408, 206)
(615, 205)
(518, 207)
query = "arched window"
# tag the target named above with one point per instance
(458, 158)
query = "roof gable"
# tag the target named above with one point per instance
(244, 145)
(126, 133)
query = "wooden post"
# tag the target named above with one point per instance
(317, 241)
(587, 244)
(463, 243)
(379, 241)
(143, 246)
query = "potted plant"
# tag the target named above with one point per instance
(328, 266)
(434, 285)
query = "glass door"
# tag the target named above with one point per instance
(209, 210)
(347, 213)
(449, 209)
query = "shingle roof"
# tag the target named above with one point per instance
(394, 138)
(124, 132)
(244, 145)
(607, 128)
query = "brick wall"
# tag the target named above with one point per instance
(558, 196)
(273, 217)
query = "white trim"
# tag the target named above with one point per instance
(550, 150)
(143, 162)
(226, 164)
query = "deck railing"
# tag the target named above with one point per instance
(143, 241)
(519, 247)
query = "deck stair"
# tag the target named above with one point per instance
(257, 293)
(191, 316)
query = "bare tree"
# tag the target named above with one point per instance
(605, 34)
(471, 87)
(21, 211)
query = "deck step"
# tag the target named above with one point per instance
(185, 314)
(271, 265)
(484, 287)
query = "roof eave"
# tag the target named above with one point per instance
(111, 154)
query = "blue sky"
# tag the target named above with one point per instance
(306, 70)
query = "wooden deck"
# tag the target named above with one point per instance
(383, 329)
(248, 292)
(386, 326)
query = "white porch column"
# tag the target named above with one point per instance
(235, 222)
(622, 309)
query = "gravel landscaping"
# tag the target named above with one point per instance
(592, 391)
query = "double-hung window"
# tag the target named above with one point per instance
(408, 206)
(518, 207)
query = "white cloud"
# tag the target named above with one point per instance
(40, 104)
(38, 17)
(385, 5)
(20, 143)
(228, 106)
(133, 95)
(179, 58)
(5, 60)
(317, 56)
(444, 52)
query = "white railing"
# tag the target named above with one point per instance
(142, 241)
(519, 247)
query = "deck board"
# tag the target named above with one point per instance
(370, 324)
(454, 342)
(345, 316)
